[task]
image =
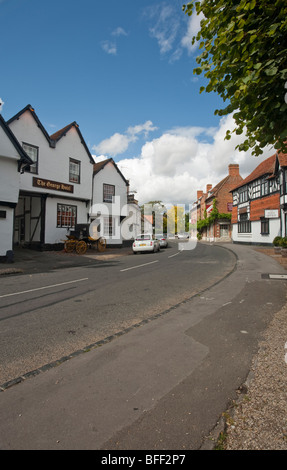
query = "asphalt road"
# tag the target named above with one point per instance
(49, 315)
(160, 386)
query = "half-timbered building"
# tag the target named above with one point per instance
(56, 190)
(256, 204)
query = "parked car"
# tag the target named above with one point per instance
(162, 240)
(183, 235)
(146, 242)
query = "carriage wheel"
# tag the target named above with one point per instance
(81, 248)
(102, 244)
(69, 246)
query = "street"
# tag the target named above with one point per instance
(49, 315)
(197, 317)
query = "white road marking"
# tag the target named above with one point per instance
(171, 256)
(45, 287)
(139, 266)
(278, 276)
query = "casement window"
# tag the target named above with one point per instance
(75, 171)
(274, 185)
(109, 226)
(109, 192)
(235, 198)
(66, 216)
(244, 225)
(264, 226)
(33, 153)
(264, 188)
(243, 195)
(256, 189)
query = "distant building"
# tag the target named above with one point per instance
(219, 199)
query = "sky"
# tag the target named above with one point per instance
(124, 72)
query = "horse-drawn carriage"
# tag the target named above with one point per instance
(80, 240)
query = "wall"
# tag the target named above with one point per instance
(110, 175)
(54, 162)
(9, 180)
(56, 234)
(6, 230)
(9, 190)
(255, 235)
(258, 206)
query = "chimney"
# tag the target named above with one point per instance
(233, 169)
(208, 187)
(199, 194)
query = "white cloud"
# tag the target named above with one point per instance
(193, 28)
(1, 101)
(119, 32)
(166, 27)
(119, 143)
(114, 145)
(109, 47)
(173, 31)
(141, 128)
(173, 167)
(99, 158)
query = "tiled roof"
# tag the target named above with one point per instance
(100, 165)
(217, 187)
(52, 140)
(282, 157)
(57, 135)
(266, 167)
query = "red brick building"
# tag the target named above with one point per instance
(216, 200)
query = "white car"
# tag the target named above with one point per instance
(182, 235)
(145, 242)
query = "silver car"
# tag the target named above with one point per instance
(145, 242)
(162, 240)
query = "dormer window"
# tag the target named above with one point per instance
(33, 153)
(74, 171)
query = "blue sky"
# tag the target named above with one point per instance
(124, 72)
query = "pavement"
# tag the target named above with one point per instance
(228, 432)
(27, 261)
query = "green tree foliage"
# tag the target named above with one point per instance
(244, 58)
(209, 220)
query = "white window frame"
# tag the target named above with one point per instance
(109, 191)
(66, 216)
(109, 226)
(74, 171)
(33, 152)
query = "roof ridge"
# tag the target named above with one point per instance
(61, 132)
(100, 165)
(24, 158)
(54, 138)
(266, 167)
